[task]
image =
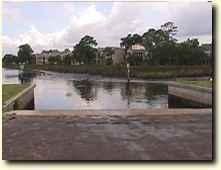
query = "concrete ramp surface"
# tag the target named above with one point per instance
(181, 134)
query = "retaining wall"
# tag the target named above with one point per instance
(193, 93)
(21, 100)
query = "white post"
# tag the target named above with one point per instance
(128, 72)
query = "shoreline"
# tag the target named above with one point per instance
(165, 73)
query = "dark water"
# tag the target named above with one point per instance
(75, 91)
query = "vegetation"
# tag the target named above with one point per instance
(201, 83)
(163, 49)
(128, 41)
(85, 51)
(134, 60)
(10, 59)
(144, 72)
(55, 60)
(11, 90)
(25, 54)
(163, 56)
(67, 60)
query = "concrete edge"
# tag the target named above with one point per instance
(192, 87)
(20, 94)
(121, 113)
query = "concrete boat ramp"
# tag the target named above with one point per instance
(153, 134)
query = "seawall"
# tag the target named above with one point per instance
(21, 100)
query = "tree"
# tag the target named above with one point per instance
(192, 43)
(55, 59)
(136, 39)
(85, 50)
(135, 59)
(67, 59)
(126, 43)
(51, 60)
(151, 40)
(160, 44)
(148, 40)
(164, 54)
(67, 50)
(25, 53)
(10, 59)
(170, 29)
(189, 53)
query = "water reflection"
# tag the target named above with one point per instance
(12, 76)
(85, 89)
(143, 91)
(115, 95)
(70, 91)
(109, 86)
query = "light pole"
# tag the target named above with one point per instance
(128, 72)
(21, 70)
(21, 67)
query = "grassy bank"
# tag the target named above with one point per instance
(143, 72)
(11, 90)
(200, 83)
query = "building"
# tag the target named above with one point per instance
(43, 57)
(136, 50)
(117, 55)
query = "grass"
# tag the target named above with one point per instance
(201, 83)
(11, 90)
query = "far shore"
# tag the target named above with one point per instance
(190, 72)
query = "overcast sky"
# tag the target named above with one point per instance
(50, 25)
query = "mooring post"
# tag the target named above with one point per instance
(128, 72)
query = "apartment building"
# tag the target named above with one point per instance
(43, 57)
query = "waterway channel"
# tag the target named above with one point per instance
(62, 91)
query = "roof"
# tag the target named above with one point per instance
(137, 47)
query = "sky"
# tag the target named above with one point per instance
(60, 25)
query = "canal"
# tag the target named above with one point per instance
(62, 91)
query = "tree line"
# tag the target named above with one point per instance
(24, 55)
(161, 48)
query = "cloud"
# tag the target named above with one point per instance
(35, 38)
(108, 28)
(13, 14)
(193, 18)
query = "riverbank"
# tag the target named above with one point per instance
(139, 72)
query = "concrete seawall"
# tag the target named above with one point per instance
(21, 100)
(192, 93)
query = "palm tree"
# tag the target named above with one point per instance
(126, 43)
